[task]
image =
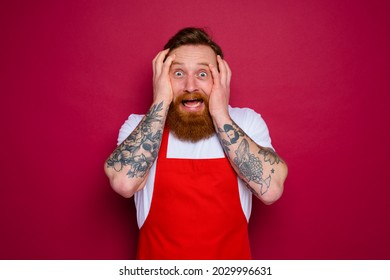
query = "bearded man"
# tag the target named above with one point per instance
(193, 161)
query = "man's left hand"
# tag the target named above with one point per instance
(220, 92)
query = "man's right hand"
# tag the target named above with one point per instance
(129, 165)
(162, 89)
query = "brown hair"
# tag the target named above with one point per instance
(192, 36)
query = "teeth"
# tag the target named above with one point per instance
(191, 100)
(192, 103)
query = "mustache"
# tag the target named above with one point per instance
(196, 95)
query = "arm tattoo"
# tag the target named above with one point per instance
(249, 166)
(233, 132)
(140, 149)
(270, 156)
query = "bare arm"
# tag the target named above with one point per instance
(128, 166)
(263, 171)
(261, 168)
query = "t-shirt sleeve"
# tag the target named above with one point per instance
(127, 128)
(253, 125)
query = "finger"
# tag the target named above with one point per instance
(215, 74)
(228, 73)
(154, 65)
(158, 61)
(224, 71)
(154, 62)
(228, 70)
(167, 64)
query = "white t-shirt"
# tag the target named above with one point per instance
(247, 119)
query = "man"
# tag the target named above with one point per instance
(193, 161)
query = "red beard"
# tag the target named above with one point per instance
(190, 126)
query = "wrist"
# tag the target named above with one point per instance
(221, 118)
(163, 98)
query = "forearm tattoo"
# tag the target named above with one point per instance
(248, 164)
(140, 149)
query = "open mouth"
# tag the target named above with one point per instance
(192, 103)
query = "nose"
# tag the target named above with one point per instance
(190, 84)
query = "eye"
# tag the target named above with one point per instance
(203, 74)
(178, 74)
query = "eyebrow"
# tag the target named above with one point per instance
(200, 63)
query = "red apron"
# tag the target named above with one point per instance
(195, 211)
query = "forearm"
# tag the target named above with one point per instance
(263, 171)
(128, 165)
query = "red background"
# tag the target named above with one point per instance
(72, 72)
